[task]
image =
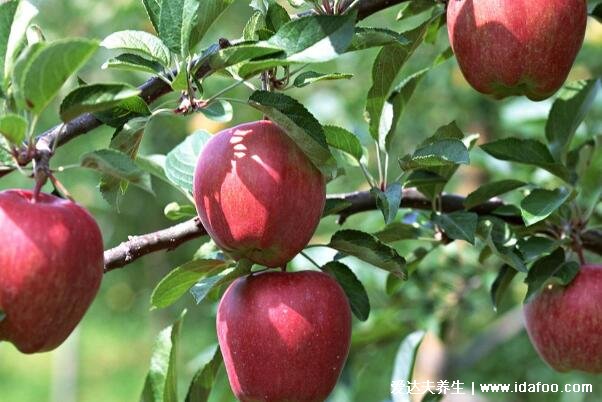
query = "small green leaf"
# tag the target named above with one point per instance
(368, 248)
(202, 382)
(117, 165)
(358, 298)
(161, 380)
(7, 15)
(535, 246)
(526, 151)
(175, 212)
(218, 110)
(388, 201)
(181, 161)
(458, 225)
(501, 284)
(180, 82)
(208, 12)
(13, 127)
(176, 21)
(316, 38)
(436, 154)
(567, 113)
(276, 17)
(397, 231)
(299, 124)
(403, 368)
(540, 204)
(490, 190)
(334, 206)
(387, 66)
(309, 77)
(133, 62)
(123, 112)
(16, 28)
(153, 10)
(344, 140)
(94, 98)
(48, 69)
(552, 269)
(178, 281)
(365, 38)
(139, 43)
(238, 53)
(202, 288)
(589, 182)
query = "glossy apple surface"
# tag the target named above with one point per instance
(51, 265)
(565, 324)
(257, 194)
(516, 47)
(284, 336)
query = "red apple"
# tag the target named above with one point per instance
(257, 194)
(516, 47)
(51, 265)
(565, 323)
(284, 336)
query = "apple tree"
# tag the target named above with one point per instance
(272, 213)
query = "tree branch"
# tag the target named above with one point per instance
(361, 201)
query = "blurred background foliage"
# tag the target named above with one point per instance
(106, 359)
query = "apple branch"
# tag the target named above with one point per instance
(361, 201)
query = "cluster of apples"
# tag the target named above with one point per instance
(284, 336)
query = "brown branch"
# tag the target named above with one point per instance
(361, 201)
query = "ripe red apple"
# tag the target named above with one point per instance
(565, 323)
(51, 265)
(284, 336)
(516, 47)
(257, 194)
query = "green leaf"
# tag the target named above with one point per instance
(176, 22)
(534, 247)
(123, 112)
(181, 161)
(94, 98)
(459, 225)
(526, 151)
(490, 190)
(311, 39)
(353, 288)
(421, 177)
(239, 53)
(444, 152)
(591, 190)
(153, 10)
(493, 231)
(202, 382)
(387, 66)
(208, 12)
(133, 62)
(276, 17)
(161, 380)
(178, 281)
(299, 124)
(16, 38)
(13, 127)
(540, 204)
(309, 77)
(388, 201)
(552, 269)
(48, 69)
(202, 288)
(175, 212)
(567, 113)
(344, 140)
(501, 284)
(368, 248)
(397, 231)
(334, 206)
(117, 165)
(218, 110)
(7, 15)
(139, 43)
(316, 38)
(403, 368)
(365, 38)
